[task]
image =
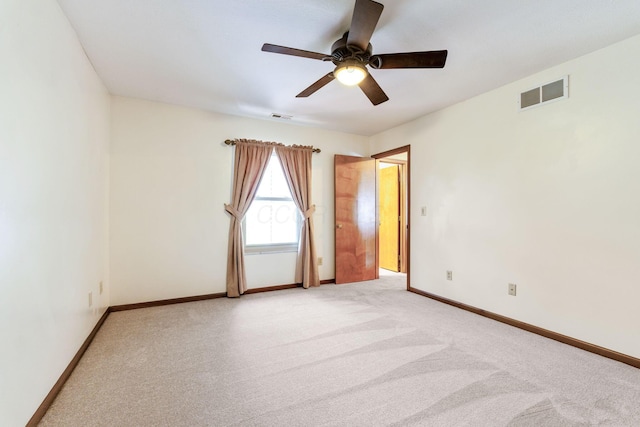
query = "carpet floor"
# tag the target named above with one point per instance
(364, 354)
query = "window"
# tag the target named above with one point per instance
(272, 223)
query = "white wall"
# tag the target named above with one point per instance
(170, 178)
(546, 198)
(54, 135)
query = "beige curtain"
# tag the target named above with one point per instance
(296, 164)
(251, 159)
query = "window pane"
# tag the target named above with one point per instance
(273, 183)
(271, 222)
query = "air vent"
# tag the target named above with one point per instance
(552, 91)
(281, 116)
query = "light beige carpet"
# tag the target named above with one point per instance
(364, 354)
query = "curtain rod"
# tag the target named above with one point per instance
(231, 142)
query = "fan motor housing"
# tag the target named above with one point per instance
(341, 52)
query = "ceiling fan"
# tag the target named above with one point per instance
(352, 53)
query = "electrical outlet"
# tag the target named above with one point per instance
(101, 287)
(449, 275)
(512, 289)
(320, 260)
(90, 299)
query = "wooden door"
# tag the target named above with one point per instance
(389, 203)
(355, 216)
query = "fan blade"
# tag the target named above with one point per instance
(317, 85)
(365, 18)
(431, 59)
(291, 51)
(374, 92)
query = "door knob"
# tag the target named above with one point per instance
(339, 226)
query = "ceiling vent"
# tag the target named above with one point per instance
(281, 116)
(549, 92)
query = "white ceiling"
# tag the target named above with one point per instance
(206, 53)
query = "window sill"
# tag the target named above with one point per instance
(266, 250)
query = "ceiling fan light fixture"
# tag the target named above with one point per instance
(350, 73)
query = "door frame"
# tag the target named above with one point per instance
(380, 157)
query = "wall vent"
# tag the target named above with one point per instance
(281, 116)
(548, 92)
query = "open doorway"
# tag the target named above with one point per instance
(393, 176)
